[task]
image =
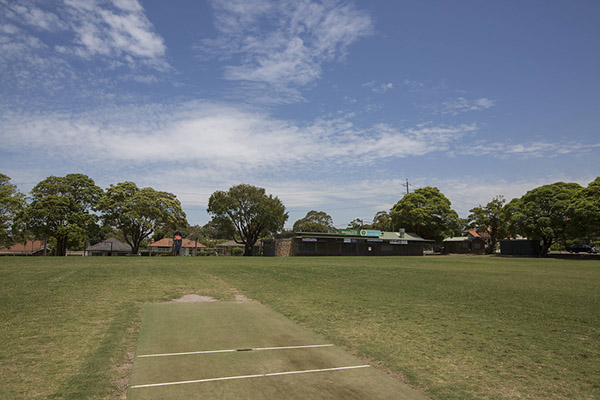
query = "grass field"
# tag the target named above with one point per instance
(188, 351)
(451, 327)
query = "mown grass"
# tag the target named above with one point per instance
(453, 327)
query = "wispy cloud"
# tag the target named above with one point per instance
(531, 149)
(379, 87)
(218, 136)
(35, 39)
(120, 32)
(283, 43)
(461, 105)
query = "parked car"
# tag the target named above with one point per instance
(579, 247)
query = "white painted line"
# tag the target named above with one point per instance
(228, 378)
(235, 350)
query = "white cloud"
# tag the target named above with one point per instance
(217, 136)
(379, 87)
(121, 32)
(284, 43)
(37, 18)
(461, 105)
(533, 149)
(117, 32)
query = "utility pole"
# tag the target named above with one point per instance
(407, 186)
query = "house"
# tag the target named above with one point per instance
(485, 235)
(165, 245)
(109, 247)
(464, 245)
(471, 242)
(347, 242)
(29, 248)
(227, 248)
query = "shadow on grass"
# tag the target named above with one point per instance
(98, 368)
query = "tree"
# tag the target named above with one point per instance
(382, 221)
(315, 221)
(356, 223)
(427, 213)
(11, 203)
(542, 213)
(61, 208)
(584, 212)
(247, 213)
(137, 213)
(490, 218)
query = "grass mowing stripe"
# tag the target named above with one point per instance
(235, 350)
(227, 378)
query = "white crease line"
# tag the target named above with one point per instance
(248, 376)
(235, 350)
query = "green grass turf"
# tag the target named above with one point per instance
(169, 328)
(452, 327)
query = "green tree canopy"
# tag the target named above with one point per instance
(247, 213)
(315, 221)
(137, 213)
(11, 203)
(356, 223)
(542, 213)
(584, 212)
(490, 218)
(382, 221)
(61, 207)
(427, 213)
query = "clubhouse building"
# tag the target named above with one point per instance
(347, 242)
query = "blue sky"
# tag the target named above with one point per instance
(329, 105)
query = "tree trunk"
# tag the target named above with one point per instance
(248, 249)
(61, 246)
(135, 249)
(546, 243)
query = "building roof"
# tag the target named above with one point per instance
(410, 237)
(111, 244)
(457, 239)
(474, 233)
(168, 242)
(31, 246)
(230, 243)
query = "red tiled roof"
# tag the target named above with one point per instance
(168, 242)
(31, 246)
(474, 233)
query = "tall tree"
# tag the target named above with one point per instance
(382, 221)
(584, 212)
(542, 213)
(426, 212)
(61, 207)
(11, 203)
(315, 221)
(247, 213)
(137, 213)
(490, 218)
(356, 223)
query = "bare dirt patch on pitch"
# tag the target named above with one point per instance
(194, 298)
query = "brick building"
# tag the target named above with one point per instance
(347, 242)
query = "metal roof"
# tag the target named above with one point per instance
(111, 244)
(458, 239)
(411, 237)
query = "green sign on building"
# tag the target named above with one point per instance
(349, 232)
(359, 232)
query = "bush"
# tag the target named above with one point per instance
(237, 251)
(557, 247)
(491, 249)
